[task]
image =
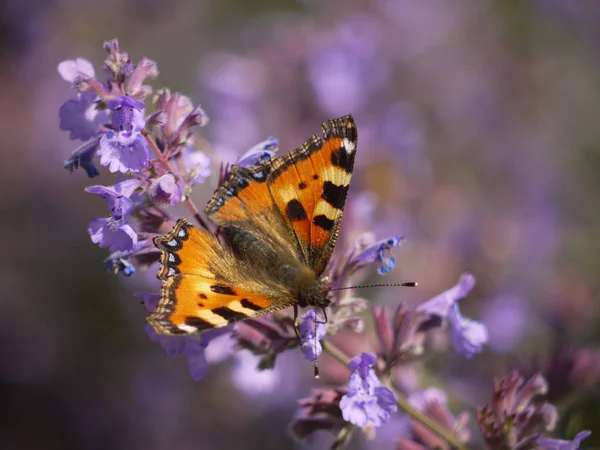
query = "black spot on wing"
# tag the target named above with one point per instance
(229, 314)
(295, 211)
(315, 177)
(334, 195)
(198, 323)
(249, 305)
(341, 158)
(324, 222)
(202, 296)
(222, 289)
(302, 186)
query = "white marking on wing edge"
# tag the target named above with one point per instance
(187, 328)
(349, 146)
(172, 243)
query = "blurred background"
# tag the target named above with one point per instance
(479, 142)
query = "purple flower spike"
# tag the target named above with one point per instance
(112, 233)
(380, 252)
(166, 190)
(367, 401)
(467, 336)
(560, 444)
(312, 330)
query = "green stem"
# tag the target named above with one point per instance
(402, 402)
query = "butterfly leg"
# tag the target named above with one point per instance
(324, 315)
(296, 322)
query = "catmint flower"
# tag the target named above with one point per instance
(545, 443)
(84, 157)
(312, 330)
(367, 402)
(197, 166)
(114, 232)
(467, 336)
(80, 116)
(379, 252)
(165, 189)
(124, 148)
(190, 347)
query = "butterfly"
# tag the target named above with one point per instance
(277, 225)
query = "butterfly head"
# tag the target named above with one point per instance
(314, 295)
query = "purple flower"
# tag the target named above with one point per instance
(124, 148)
(165, 189)
(467, 336)
(115, 232)
(312, 330)
(379, 253)
(71, 69)
(112, 233)
(559, 444)
(367, 401)
(192, 348)
(81, 118)
(84, 157)
(117, 196)
(259, 154)
(197, 166)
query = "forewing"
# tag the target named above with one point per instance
(309, 186)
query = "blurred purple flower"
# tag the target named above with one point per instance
(259, 154)
(84, 157)
(367, 401)
(312, 330)
(79, 116)
(124, 148)
(165, 189)
(197, 166)
(546, 443)
(71, 69)
(467, 336)
(192, 348)
(380, 252)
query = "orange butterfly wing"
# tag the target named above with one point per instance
(305, 190)
(194, 296)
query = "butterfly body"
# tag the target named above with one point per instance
(277, 226)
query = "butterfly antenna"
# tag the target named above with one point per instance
(315, 350)
(408, 284)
